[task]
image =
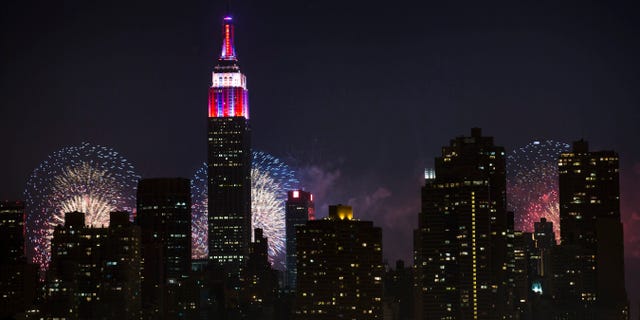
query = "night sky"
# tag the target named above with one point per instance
(359, 96)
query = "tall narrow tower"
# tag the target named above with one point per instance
(229, 160)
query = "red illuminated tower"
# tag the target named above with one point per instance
(229, 161)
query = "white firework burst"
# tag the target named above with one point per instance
(91, 179)
(86, 189)
(267, 210)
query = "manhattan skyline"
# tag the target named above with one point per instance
(376, 89)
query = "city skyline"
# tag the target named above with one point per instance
(367, 178)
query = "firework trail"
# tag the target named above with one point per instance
(91, 179)
(271, 178)
(532, 184)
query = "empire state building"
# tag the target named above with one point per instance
(229, 160)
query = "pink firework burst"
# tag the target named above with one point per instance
(532, 184)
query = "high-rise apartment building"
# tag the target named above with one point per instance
(460, 247)
(590, 279)
(229, 160)
(299, 209)
(340, 268)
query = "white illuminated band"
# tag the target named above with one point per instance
(228, 80)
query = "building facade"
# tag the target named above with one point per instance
(299, 209)
(340, 268)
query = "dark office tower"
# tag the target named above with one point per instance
(261, 283)
(398, 292)
(542, 257)
(591, 234)
(299, 210)
(340, 268)
(460, 248)
(121, 268)
(164, 217)
(229, 160)
(18, 279)
(94, 272)
(544, 235)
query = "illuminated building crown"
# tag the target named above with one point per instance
(228, 95)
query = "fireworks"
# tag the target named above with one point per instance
(532, 183)
(270, 180)
(91, 179)
(199, 206)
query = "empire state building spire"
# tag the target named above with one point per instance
(228, 47)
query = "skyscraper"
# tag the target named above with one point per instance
(299, 210)
(460, 246)
(164, 217)
(340, 268)
(229, 160)
(591, 278)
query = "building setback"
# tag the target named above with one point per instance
(340, 268)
